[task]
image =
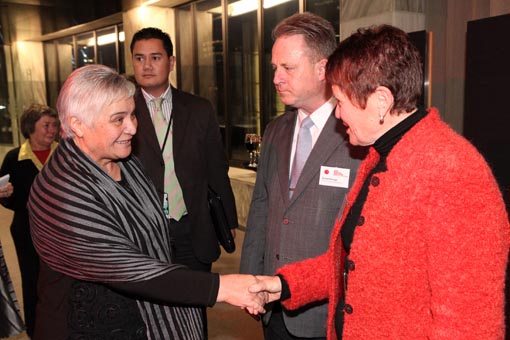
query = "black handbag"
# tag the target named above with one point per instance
(220, 222)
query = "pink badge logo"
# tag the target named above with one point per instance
(338, 173)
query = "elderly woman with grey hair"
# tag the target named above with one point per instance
(104, 243)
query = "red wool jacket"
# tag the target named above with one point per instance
(429, 258)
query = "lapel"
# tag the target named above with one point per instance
(145, 131)
(284, 147)
(180, 122)
(329, 139)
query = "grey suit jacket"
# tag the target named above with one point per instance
(281, 230)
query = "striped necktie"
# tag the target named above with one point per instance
(173, 203)
(303, 148)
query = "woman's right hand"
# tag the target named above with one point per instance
(234, 290)
(6, 190)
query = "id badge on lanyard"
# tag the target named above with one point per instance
(166, 210)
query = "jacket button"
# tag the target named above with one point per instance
(348, 309)
(277, 257)
(361, 221)
(285, 221)
(350, 265)
(374, 181)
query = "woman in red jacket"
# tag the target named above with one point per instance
(421, 249)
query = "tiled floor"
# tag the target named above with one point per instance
(225, 322)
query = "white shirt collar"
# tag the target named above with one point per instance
(321, 115)
(167, 95)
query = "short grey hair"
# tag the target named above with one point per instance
(87, 91)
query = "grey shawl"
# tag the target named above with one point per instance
(86, 225)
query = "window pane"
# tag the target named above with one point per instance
(107, 47)
(210, 55)
(273, 105)
(51, 69)
(184, 49)
(243, 74)
(328, 9)
(5, 116)
(66, 60)
(122, 59)
(85, 43)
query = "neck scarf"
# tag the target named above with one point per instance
(86, 225)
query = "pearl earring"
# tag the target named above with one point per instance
(381, 119)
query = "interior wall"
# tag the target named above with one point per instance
(447, 20)
(27, 56)
(25, 63)
(408, 21)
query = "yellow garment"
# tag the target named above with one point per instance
(26, 152)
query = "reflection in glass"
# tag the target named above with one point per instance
(59, 63)
(51, 71)
(184, 45)
(85, 47)
(66, 58)
(272, 16)
(62, 56)
(244, 95)
(210, 55)
(107, 47)
(328, 9)
(122, 61)
(5, 117)
(246, 101)
(200, 62)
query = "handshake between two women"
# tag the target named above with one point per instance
(249, 292)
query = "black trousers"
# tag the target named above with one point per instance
(182, 250)
(276, 330)
(182, 245)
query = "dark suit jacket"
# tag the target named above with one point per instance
(199, 159)
(282, 230)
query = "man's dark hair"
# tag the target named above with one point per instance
(153, 33)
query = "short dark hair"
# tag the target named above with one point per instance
(317, 32)
(31, 115)
(381, 55)
(154, 33)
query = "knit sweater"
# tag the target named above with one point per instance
(431, 251)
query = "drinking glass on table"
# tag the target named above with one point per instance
(252, 142)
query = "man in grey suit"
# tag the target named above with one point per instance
(293, 209)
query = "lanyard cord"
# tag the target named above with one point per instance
(167, 131)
